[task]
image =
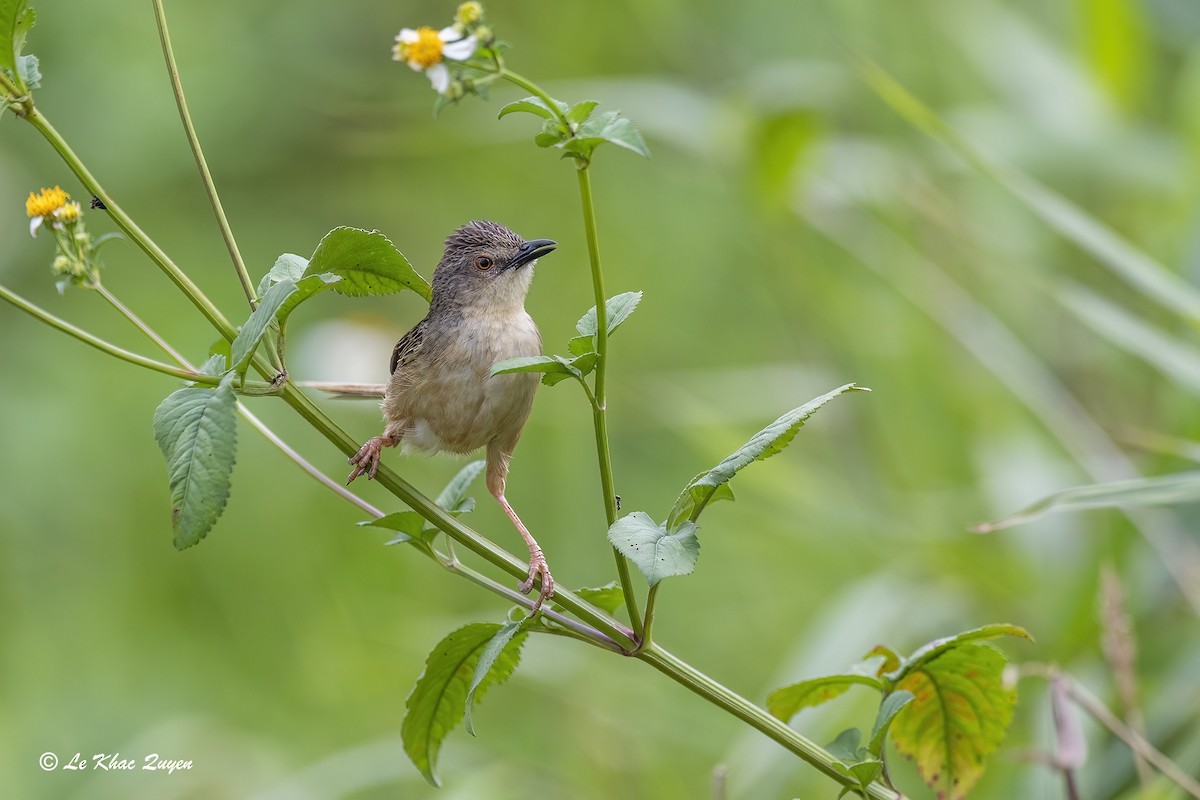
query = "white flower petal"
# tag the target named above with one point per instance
(407, 36)
(449, 34)
(460, 50)
(414, 66)
(34, 224)
(439, 76)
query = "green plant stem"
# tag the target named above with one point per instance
(651, 598)
(94, 341)
(194, 142)
(599, 407)
(704, 686)
(130, 229)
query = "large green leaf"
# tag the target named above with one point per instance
(959, 714)
(770, 440)
(530, 364)
(1182, 487)
(616, 310)
(438, 700)
(931, 650)
(196, 428)
(367, 262)
(657, 553)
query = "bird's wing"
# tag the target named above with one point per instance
(408, 347)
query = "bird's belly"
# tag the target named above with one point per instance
(461, 406)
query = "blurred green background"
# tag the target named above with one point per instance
(791, 234)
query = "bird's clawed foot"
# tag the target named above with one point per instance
(366, 459)
(539, 571)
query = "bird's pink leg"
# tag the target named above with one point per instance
(539, 570)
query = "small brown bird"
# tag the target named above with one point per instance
(442, 395)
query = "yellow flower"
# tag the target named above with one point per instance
(43, 205)
(469, 13)
(425, 50)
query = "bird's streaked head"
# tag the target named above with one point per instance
(486, 264)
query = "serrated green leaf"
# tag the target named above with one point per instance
(529, 364)
(243, 347)
(532, 105)
(656, 553)
(579, 345)
(305, 288)
(584, 364)
(959, 715)
(616, 310)
(498, 661)
(581, 111)
(454, 497)
(288, 266)
(196, 429)
(762, 445)
(888, 709)
(438, 700)
(1183, 487)
(552, 133)
(368, 263)
(552, 378)
(787, 701)
(931, 650)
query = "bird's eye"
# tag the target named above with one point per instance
(483, 263)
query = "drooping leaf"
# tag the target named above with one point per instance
(616, 310)
(367, 262)
(764, 444)
(438, 700)
(1182, 487)
(288, 266)
(497, 662)
(656, 553)
(196, 429)
(787, 701)
(454, 497)
(243, 347)
(959, 714)
(532, 105)
(892, 705)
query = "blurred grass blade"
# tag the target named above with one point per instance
(1106, 246)
(1183, 487)
(1170, 356)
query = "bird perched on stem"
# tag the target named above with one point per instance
(442, 395)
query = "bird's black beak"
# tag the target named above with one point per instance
(531, 251)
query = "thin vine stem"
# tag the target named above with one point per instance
(194, 142)
(91, 340)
